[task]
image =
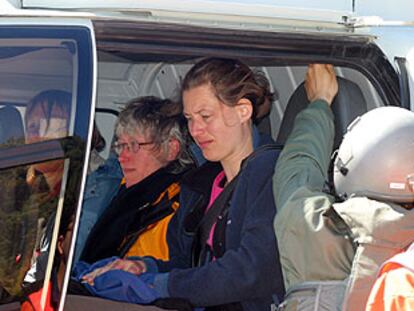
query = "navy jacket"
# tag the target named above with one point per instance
(249, 271)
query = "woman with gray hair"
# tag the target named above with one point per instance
(151, 148)
(155, 125)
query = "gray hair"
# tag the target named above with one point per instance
(158, 119)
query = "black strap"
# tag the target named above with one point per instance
(219, 237)
(215, 210)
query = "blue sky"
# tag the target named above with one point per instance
(321, 4)
(389, 10)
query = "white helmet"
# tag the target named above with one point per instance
(376, 156)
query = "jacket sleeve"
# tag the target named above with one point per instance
(248, 271)
(309, 246)
(305, 158)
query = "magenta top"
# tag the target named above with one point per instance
(216, 189)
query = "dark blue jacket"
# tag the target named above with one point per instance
(249, 271)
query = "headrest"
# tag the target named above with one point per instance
(347, 105)
(11, 125)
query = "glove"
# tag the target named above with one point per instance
(123, 286)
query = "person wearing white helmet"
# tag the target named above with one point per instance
(375, 158)
(331, 246)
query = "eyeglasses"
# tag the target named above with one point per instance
(132, 146)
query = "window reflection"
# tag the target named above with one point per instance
(47, 117)
(26, 217)
(35, 106)
(11, 126)
(12, 229)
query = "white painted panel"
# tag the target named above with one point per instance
(329, 11)
(163, 80)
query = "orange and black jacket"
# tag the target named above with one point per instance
(139, 221)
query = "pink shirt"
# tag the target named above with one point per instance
(216, 189)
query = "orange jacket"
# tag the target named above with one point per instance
(34, 300)
(153, 240)
(394, 288)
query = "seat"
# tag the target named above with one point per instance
(347, 105)
(11, 125)
(77, 302)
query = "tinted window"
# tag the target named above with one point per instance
(45, 99)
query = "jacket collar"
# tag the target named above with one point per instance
(201, 178)
(149, 188)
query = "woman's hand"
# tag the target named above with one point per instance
(321, 83)
(136, 267)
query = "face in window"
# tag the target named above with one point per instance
(217, 128)
(47, 117)
(42, 126)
